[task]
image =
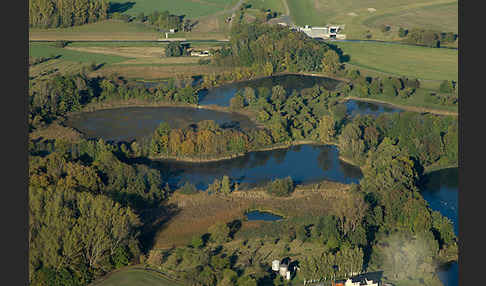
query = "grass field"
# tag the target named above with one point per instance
(100, 31)
(135, 277)
(404, 60)
(190, 8)
(274, 5)
(47, 49)
(440, 17)
(363, 16)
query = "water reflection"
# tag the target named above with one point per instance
(441, 189)
(355, 107)
(222, 95)
(305, 164)
(124, 124)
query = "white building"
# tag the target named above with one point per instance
(282, 269)
(328, 32)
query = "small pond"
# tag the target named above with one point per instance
(265, 216)
(125, 124)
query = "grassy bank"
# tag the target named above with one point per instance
(414, 106)
(136, 276)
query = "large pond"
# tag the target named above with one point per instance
(222, 95)
(125, 124)
(305, 164)
(441, 189)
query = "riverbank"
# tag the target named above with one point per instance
(233, 156)
(401, 106)
(434, 168)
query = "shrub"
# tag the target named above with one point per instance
(61, 44)
(402, 33)
(187, 189)
(446, 86)
(385, 28)
(281, 187)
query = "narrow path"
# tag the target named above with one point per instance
(286, 6)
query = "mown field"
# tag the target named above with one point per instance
(440, 17)
(48, 49)
(274, 5)
(100, 31)
(135, 277)
(190, 8)
(364, 17)
(404, 60)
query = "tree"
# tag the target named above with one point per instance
(249, 95)
(219, 233)
(237, 102)
(225, 185)
(246, 281)
(174, 49)
(281, 187)
(327, 129)
(330, 61)
(402, 33)
(446, 86)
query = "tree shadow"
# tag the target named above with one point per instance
(120, 7)
(153, 221)
(342, 57)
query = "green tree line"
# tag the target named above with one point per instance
(66, 13)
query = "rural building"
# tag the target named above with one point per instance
(199, 53)
(282, 268)
(327, 32)
(366, 279)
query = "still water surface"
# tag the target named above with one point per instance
(125, 124)
(441, 189)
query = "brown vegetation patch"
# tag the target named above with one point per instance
(158, 72)
(56, 131)
(198, 212)
(129, 52)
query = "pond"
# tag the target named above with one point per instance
(304, 163)
(354, 107)
(125, 124)
(265, 216)
(222, 95)
(441, 189)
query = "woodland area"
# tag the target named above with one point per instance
(93, 209)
